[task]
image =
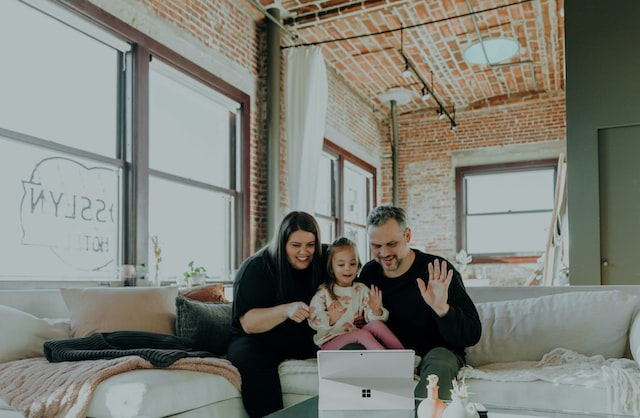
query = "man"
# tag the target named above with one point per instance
(429, 308)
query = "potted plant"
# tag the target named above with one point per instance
(195, 275)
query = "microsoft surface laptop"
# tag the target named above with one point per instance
(371, 382)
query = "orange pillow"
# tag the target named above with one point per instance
(205, 293)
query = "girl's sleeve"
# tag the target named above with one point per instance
(319, 318)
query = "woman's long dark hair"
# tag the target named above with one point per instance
(292, 222)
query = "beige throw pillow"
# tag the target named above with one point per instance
(100, 309)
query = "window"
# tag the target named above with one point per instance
(59, 131)
(504, 211)
(103, 152)
(344, 197)
(191, 166)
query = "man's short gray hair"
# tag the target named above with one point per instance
(381, 214)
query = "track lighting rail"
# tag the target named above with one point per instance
(442, 110)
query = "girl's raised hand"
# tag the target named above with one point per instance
(375, 300)
(335, 310)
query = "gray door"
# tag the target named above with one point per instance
(619, 166)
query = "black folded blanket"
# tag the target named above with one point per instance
(161, 350)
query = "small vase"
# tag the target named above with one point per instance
(198, 279)
(432, 406)
(460, 406)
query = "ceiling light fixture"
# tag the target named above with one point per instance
(426, 91)
(407, 71)
(399, 95)
(491, 51)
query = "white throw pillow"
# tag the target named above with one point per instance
(24, 334)
(589, 323)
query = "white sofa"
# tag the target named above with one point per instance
(137, 393)
(570, 348)
(516, 330)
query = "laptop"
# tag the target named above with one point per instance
(366, 383)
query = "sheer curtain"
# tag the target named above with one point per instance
(305, 110)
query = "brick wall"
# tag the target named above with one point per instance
(350, 114)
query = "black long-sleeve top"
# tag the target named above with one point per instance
(255, 286)
(415, 324)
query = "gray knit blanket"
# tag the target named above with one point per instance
(161, 350)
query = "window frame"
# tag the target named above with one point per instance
(340, 156)
(144, 48)
(461, 172)
(132, 152)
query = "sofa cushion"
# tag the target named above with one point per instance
(539, 394)
(98, 309)
(23, 334)
(299, 377)
(158, 392)
(207, 324)
(524, 330)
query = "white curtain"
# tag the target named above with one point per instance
(305, 112)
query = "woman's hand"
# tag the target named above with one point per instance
(258, 320)
(375, 300)
(297, 311)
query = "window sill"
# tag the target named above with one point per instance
(505, 259)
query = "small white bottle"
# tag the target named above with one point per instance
(432, 406)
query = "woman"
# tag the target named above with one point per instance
(272, 290)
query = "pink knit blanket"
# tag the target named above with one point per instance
(38, 388)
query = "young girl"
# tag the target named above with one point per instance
(340, 302)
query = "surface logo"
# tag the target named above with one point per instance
(366, 393)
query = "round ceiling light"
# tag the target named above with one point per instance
(497, 49)
(398, 94)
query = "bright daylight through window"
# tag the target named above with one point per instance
(75, 199)
(505, 211)
(344, 197)
(62, 179)
(191, 163)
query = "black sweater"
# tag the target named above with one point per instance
(415, 324)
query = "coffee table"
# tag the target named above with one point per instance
(309, 409)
